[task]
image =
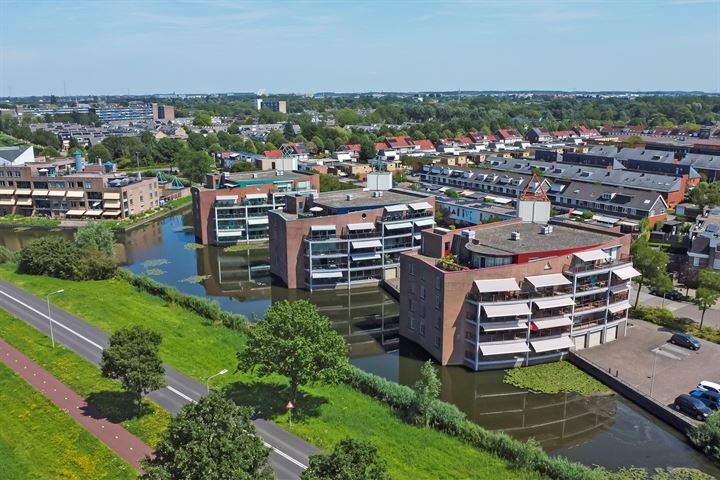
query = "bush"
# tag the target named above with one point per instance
(59, 258)
(664, 318)
(707, 437)
(208, 309)
(7, 255)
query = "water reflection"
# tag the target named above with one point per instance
(605, 430)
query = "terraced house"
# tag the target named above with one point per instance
(517, 292)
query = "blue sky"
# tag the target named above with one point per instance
(151, 46)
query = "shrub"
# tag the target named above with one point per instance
(707, 437)
(96, 265)
(7, 255)
(664, 318)
(52, 256)
(96, 236)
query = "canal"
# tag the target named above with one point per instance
(602, 430)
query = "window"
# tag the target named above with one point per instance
(437, 341)
(422, 328)
(437, 301)
(422, 291)
(412, 269)
(88, 185)
(17, 173)
(437, 282)
(410, 304)
(411, 322)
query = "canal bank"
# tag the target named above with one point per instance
(608, 431)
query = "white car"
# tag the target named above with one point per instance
(709, 386)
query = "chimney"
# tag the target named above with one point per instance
(515, 236)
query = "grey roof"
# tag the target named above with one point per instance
(698, 160)
(496, 241)
(623, 178)
(11, 153)
(700, 244)
(603, 151)
(517, 181)
(622, 197)
(364, 198)
(642, 154)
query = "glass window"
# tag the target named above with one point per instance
(88, 185)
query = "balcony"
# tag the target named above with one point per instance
(590, 305)
(398, 216)
(599, 265)
(498, 297)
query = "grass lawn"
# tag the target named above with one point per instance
(84, 378)
(555, 378)
(325, 413)
(40, 441)
(21, 220)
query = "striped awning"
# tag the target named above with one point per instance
(503, 348)
(75, 194)
(111, 195)
(367, 244)
(93, 213)
(56, 193)
(547, 344)
(113, 213)
(398, 226)
(7, 202)
(506, 310)
(75, 213)
(24, 202)
(23, 191)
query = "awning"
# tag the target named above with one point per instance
(56, 193)
(425, 222)
(420, 206)
(93, 213)
(115, 204)
(626, 273)
(75, 213)
(353, 227)
(327, 275)
(396, 208)
(7, 202)
(604, 219)
(226, 198)
(552, 322)
(545, 303)
(502, 348)
(114, 213)
(364, 256)
(25, 202)
(398, 226)
(505, 310)
(7, 191)
(592, 255)
(323, 228)
(496, 326)
(75, 194)
(258, 221)
(417, 236)
(622, 287)
(577, 211)
(23, 191)
(111, 195)
(367, 244)
(547, 344)
(502, 200)
(497, 285)
(619, 307)
(256, 196)
(552, 280)
(229, 233)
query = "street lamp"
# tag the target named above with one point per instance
(207, 382)
(52, 335)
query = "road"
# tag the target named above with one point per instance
(289, 455)
(683, 309)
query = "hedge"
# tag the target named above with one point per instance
(208, 309)
(665, 318)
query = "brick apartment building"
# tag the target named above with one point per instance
(233, 207)
(517, 292)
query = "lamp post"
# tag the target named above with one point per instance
(652, 377)
(207, 381)
(52, 335)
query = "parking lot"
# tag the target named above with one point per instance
(646, 360)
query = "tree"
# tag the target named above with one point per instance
(194, 165)
(99, 152)
(51, 256)
(427, 390)
(634, 141)
(97, 236)
(295, 341)
(242, 167)
(289, 130)
(350, 460)
(233, 129)
(202, 119)
(210, 439)
(708, 292)
(50, 152)
(346, 116)
(276, 137)
(452, 193)
(133, 357)
(196, 141)
(652, 264)
(367, 150)
(705, 194)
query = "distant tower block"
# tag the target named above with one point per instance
(534, 204)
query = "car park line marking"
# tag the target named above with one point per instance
(679, 350)
(661, 351)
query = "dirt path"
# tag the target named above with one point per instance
(127, 446)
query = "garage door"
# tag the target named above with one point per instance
(611, 334)
(594, 339)
(579, 342)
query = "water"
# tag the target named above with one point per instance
(603, 430)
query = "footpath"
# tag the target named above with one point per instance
(126, 445)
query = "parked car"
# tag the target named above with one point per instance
(692, 406)
(673, 295)
(685, 340)
(706, 386)
(711, 399)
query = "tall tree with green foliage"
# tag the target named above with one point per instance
(705, 194)
(367, 150)
(427, 391)
(194, 165)
(99, 152)
(350, 460)
(296, 341)
(276, 137)
(202, 119)
(96, 235)
(708, 292)
(133, 358)
(652, 264)
(210, 439)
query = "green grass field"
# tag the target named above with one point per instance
(325, 413)
(84, 378)
(40, 441)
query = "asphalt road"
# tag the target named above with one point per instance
(289, 455)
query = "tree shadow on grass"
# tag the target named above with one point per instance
(269, 399)
(116, 407)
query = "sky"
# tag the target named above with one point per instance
(212, 46)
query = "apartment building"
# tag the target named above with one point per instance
(517, 292)
(16, 155)
(347, 238)
(70, 188)
(233, 207)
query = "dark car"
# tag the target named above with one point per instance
(711, 399)
(685, 340)
(673, 295)
(692, 406)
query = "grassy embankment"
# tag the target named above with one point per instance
(325, 413)
(30, 221)
(38, 440)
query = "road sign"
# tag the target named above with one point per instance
(289, 405)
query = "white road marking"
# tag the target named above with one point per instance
(175, 391)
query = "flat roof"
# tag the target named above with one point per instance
(264, 175)
(495, 241)
(364, 198)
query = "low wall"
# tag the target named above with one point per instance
(663, 412)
